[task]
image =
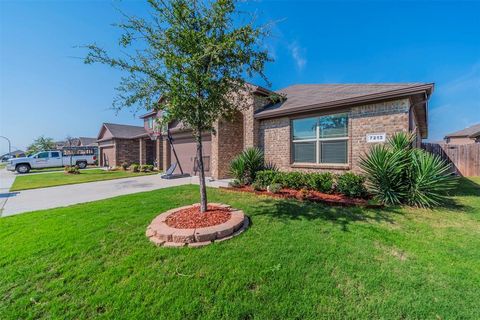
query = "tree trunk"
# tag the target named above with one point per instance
(201, 177)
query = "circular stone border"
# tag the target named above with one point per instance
(162, 234)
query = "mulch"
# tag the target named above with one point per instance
(310, 195)
(192, 218)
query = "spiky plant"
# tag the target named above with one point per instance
(245, 166)
(429, 179)
(385, 169)
(237, 169)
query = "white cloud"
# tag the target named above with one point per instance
(298, 55)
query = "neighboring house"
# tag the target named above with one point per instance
(76, 142)
(13, 154)
(324, 127)
(466, 136)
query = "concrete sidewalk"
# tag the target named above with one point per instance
(53, 197)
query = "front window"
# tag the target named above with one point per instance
(321, 139)
(150, 123)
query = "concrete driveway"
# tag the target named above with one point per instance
(46, 198)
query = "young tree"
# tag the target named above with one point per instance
(193, 54)
(41, 143)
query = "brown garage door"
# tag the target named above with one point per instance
(108, 156)
(186, 149)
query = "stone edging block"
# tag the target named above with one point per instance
(161, 234)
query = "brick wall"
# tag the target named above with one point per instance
(227, 143)
(126, 150)
(385, 117)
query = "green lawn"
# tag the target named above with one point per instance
(34, 181)
(297, 261)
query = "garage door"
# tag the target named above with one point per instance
(186, 150)
(108, 156)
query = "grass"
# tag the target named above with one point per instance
(297, 261)
(34, 181)
(2, 165)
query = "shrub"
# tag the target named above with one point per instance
(274, 188)
(294, 180)
(351, 185)
(235, 183)
(322, 182)
(268, 177)
(237, 169)
(429, 180)
(399, 173)
(71, 170)
(256, 186)
(146, 168)
(125, 166)
(135, 167)
(245, 166)
(385, 171)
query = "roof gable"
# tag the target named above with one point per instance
(120, 131)
(472, 132)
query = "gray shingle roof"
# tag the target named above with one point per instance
(303, 95)
(124, 131)
(87, 141)
(471, 131)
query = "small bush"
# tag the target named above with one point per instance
(235, 183)
(146, 168)
(72, 170)
(125, 166)
(274, 188)
(294, 180)
(135, 167)
(322, 182)
(351, 185)
(256, 186)
(268, 177)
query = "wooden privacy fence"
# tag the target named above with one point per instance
(464, 159)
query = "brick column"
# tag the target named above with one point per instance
(159, 153)
(142, 151)
(166, 154)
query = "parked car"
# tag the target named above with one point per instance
(50, 159)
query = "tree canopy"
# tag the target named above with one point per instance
(191, 55)
(39, 144)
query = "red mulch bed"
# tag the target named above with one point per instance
(314, 196)
(191, 218)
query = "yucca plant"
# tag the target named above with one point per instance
(385, 170)
(245, 166)
(429, 179)
(399, 173)
(237, 169)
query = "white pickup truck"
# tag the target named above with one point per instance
(50, 159)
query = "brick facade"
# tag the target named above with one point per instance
(385, 117)
(126, 150)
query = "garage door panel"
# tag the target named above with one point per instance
(186, 150)
(108, 156)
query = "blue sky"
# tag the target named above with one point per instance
(45, 89)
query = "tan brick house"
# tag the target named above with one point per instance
(465, 136)
(324, 127)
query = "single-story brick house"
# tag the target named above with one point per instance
(465, 136)
(314, 128)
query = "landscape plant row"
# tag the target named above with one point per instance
(349, 184)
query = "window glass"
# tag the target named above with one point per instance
(333, 126)
(334, 151)
(55, 154)
(304, 129)
(150, 122)
(305, 152)
(42, 155)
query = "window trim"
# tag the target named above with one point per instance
(318, 141)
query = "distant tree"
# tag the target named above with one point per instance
(193, 54)
(39, 144)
